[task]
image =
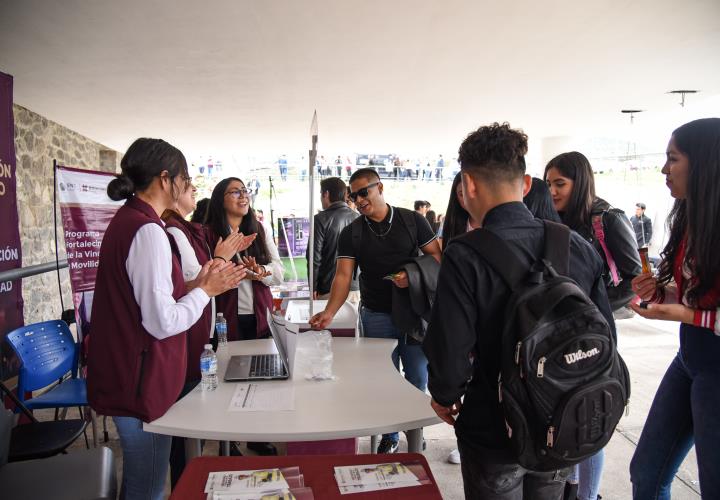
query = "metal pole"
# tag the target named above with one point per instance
(311, 239)
(26, 272)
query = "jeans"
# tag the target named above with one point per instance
(485, 478)
(685, 410)
(379, 325)
(587, 475)
(177, 448)
(145, 460)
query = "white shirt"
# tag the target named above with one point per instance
(245, 294)
(190, 266)
(149, 266)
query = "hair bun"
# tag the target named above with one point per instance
(121, 188)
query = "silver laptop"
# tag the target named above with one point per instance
(262, 366)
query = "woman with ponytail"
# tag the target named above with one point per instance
(142, 309)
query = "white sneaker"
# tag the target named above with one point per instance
(454, 456)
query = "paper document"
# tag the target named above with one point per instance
(263, 484)
(374, 477)
(245, 481)
(263, 396)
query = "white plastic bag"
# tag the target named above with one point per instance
(315, 348)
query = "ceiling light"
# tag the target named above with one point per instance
(682, 94)
(631, 112)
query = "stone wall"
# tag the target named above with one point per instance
(37, 142)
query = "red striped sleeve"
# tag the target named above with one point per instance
(707, 319)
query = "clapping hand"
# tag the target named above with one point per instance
(256, 271)
(234, 243)
(218, 277)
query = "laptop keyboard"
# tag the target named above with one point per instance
(266, 365)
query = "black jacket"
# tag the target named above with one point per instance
(620, 241)
(328, 225)
(469, 314)
(411, 306)
(643, 229)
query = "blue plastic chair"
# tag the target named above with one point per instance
(48, 352)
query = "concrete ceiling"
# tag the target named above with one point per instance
(391, 75)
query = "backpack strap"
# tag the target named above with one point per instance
(408, 220)
(557, 246)
(501, 257)
(356, 229)
(597, 224)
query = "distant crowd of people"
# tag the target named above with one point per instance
(389, 167)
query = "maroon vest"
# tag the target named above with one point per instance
(130, 372)
(227, 303)
(199, 333)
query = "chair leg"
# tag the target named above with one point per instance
(82, 417)
(93, 422)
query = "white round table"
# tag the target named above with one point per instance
(368, 397)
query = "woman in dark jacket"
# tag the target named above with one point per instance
(572, 186)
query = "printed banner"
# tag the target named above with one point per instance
(11, 302)
(293, 236)
(86, 212)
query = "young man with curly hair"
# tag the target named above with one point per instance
(463, 341)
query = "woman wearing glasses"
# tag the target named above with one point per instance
(230, 212)
(142, 309)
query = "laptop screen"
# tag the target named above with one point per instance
(278, 332)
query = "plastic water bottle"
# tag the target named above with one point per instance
(221, 330)
(208, 368)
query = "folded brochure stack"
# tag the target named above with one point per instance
(375, 477)
(264, 484)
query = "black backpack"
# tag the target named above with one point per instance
(562, 385)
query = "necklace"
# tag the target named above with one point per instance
(384, 233)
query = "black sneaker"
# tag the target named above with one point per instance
(262, 449)
(387, 445)
(235, 449)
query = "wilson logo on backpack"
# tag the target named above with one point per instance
(574, 357)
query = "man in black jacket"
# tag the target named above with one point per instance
(642, 225)
(329, 224)
(463, 341)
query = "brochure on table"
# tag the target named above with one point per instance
(385, 476)
(261, 484)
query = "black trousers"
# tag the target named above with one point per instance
(488, 479)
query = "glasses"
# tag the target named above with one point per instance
(237, 193)
(362, 192)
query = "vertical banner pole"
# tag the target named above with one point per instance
(311, 240)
